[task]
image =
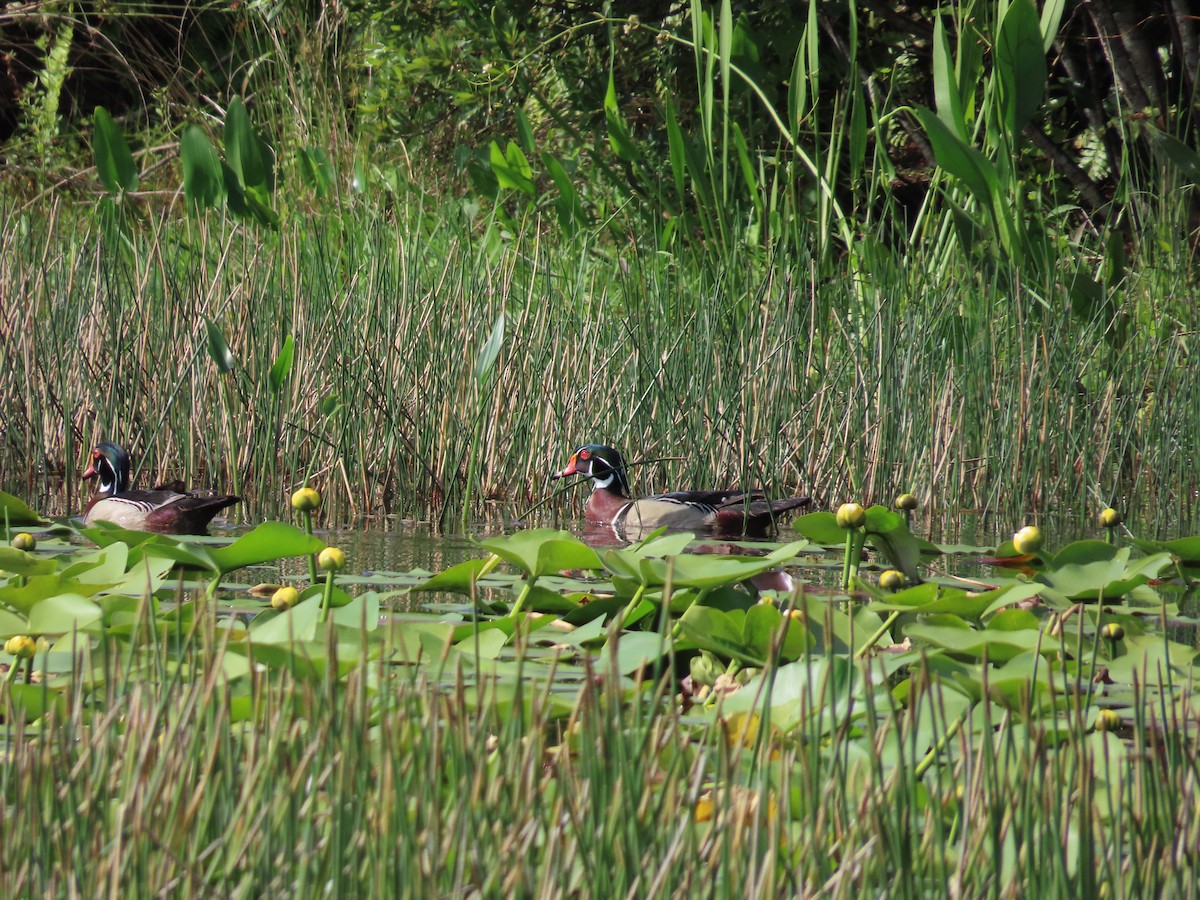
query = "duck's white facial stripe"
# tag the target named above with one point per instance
(106, 477)
(598, 483)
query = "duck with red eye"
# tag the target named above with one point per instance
(729, 513)
(164, 509)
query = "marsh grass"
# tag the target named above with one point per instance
(973, 395)
(157, 774)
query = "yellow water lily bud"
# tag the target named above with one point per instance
(306, 500)
(906, 502)
(1109, 518)
(1108, 720)
(891, 580)
(851, 515)
(1028, 539)
(285, 598)
(24, 541)
(331, 559)
(22, 646)
(1112, 631)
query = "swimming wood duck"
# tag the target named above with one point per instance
(168, 508)
(730, 512)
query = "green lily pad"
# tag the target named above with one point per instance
(23, 563)
(543, 551)
(296, 624)
(887, 531)
(633, 651)
(1089, 570)
(16, 512)
(268, 542)
(459, 579)
(998, 645)
(62, 614)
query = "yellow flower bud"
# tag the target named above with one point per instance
(24, 541)
(906, 502)
(331, 559)
(1112, 631)
(306, 500)
(1108, 720)
(22, 646)
(891, 580)
(285, 598)
(851, 515)
(1109, 518)
(1028, 539)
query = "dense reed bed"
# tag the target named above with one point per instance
(916, 376)
(423, 780)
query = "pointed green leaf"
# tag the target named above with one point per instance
(218, 349)
(1020, 66)
(203, 181)
(490, 350)
(114, 161)
(16, 512)
(282, 366)
(243, 150)
(618, 132)
(269, 541)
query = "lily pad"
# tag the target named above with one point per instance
(543, 551)
(16, 512)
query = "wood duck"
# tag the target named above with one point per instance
(729, 512)
(167, 508)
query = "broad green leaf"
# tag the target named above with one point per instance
(998, 646)
(489, 351)
(1151, 659)
(15, 512)
(960, 160)
(720, 632)
(676, 152)
(331, 404)
(888, 533)
(487, 646)
(268, 542)
(316, 169)
(1020, 66)
(218, 349)
(62, 614)
(508, 168)
(259, 203)
(457, 579)
(282, 366)
(203, 181)
(525, 132)
(23, 563)
(798, 91)
(11, 623)
(543, 551)
(296, 624)
(1176, 152)
(1088, 570)
(235, 194)
(820, 528)
(945, 87)
(618, 133)
(114, 161)
(32, 701)
(243, 149)
(1052, 13)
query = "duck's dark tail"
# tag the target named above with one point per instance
(755, 516)
(191, 514)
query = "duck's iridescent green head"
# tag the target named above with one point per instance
(110, 467)
(601, 463)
